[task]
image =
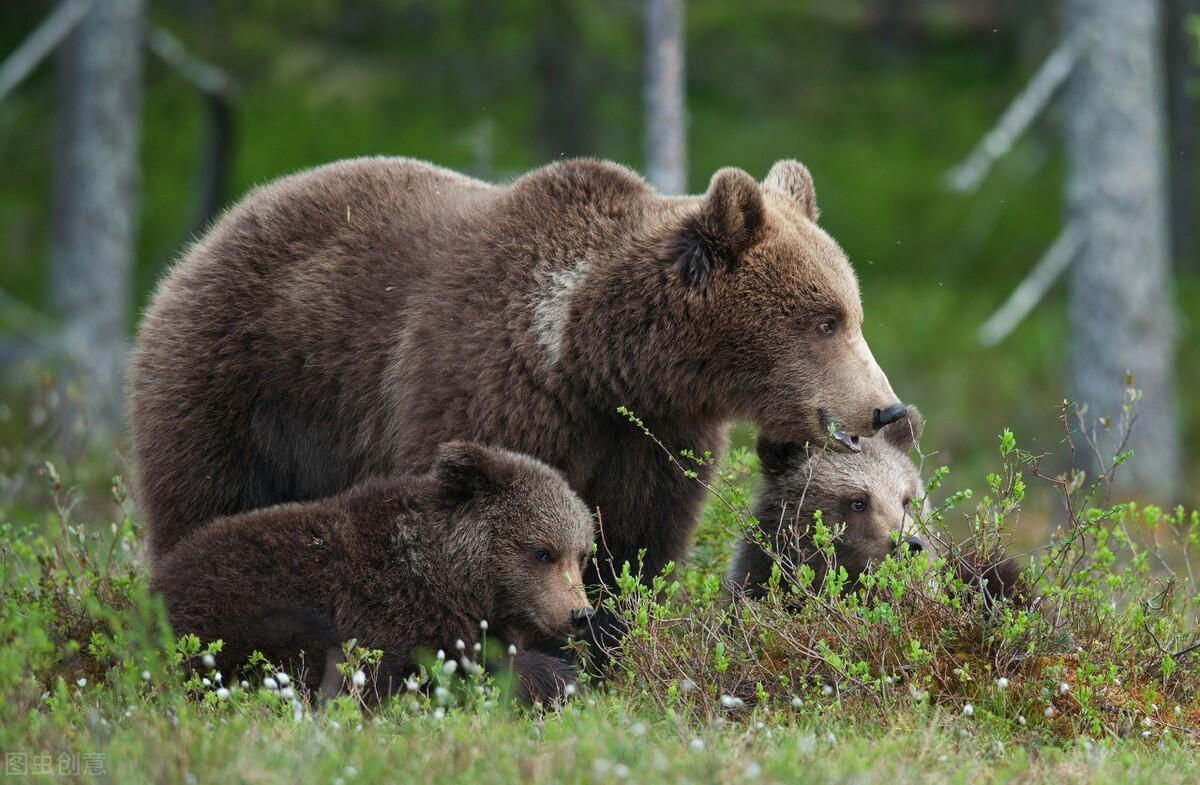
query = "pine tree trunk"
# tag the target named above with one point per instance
(1122, 311)
(95, 188)
(666, 113)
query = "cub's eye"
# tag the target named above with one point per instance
(859, 505)
(908, 502)
(827, 327)
(544, 556)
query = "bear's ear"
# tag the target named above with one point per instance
(795, 181)
(723, 229)
(466, 470)
(776, 459)
(905, 432)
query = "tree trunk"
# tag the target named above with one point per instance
(666, 115)
(94, 220)
(1182, 79)
(1122, 312)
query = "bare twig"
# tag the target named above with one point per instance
(40, 43)
(1017, 118)
(1033, 288)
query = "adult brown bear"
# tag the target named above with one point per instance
(343, 322)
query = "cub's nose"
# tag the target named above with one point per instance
(581, 616)
(887, 416)
(914, 545)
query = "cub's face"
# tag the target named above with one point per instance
(868, 495)
(534, 537)
(780, 313)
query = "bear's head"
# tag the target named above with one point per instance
(528, 532)
(748, 310)
(868, 495)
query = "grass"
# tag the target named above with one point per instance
(908, 678)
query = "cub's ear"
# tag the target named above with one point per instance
(795, 181)
(776, 459)
(723, 229)
(905, 432)
(466, 470)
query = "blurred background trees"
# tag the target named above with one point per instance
(879, 97)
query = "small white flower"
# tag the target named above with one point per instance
(752, 770)
(284, 679)
(1146, 734)
(968, 710)
(569, 690)
(1002, 683)
(458, 644)
(827, 690)
(1116, 681)
(223, 693)
(145, 675)
(350, 772)
(638, 729)
(483, 624)
(411, 685)
(797, 703)
(830, 738)
(512, 650)
(287, 693)
(697, 744)
(687, 685)
(1177, 710)
(1147, 722)
(1049, 712)
(600, 767)
(209, 661)
(439, 713)
(718, 723)
(359, 679)
(731, 701)
(1064, 688)
(82, 682)
(245, 684)
(270, 683)
(1020, 719)
(620, 771)
(888, 680)
(217, 677)
(450, 667)
(206, 682)
(478, 647)
(441, 693)
(441, 655)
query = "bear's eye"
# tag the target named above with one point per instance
(907, 502)
(827, 327)
(859, 505)
(543, 555)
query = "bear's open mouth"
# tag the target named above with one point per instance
(849, 440)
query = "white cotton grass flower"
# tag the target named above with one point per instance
(1064, 688)
(620, 771)
(297, 711)
(1002, 683)
(732, 702)
(284, 679)
(409, 684)
(752, 770)
(827, 690)
(145, 675)
(1147, 722)
(1147, 734)
(1049, 712)
(696, 744)
(209, 661)
(638, 729)
(968, 710)
(1178, 710)
(270, 683)
(217, 677)
(439, 713)
(512, 650)
(245, 684)
(287, 693)
(206, 682)
(478, 647)
(359, 679)
(450, 667)
(483, 625)
(460, 645)
(441, 655)
(1020, 719)
(687, 685)
(797, 702)
(82, 682)
(222, 694)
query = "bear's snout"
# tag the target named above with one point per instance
(887, 416)
(581, 617)
(914, 545)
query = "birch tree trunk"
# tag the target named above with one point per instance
(94, 219)
(666, 113)
(1122, 312)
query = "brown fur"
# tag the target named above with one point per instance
(342, 322)
(405, 565)
(797, 482)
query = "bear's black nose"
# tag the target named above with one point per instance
(887, 416)
(914, 545)
(581, 616)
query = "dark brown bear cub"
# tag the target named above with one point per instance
(867, 494)
(407, 565)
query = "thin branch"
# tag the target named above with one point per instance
(1020, 114)
(40, 43)
(206, 77)
(1035, 285)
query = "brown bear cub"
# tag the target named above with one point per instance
(408, 565)
(867, 493)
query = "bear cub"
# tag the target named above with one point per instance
(408, 565)
(868, 493)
